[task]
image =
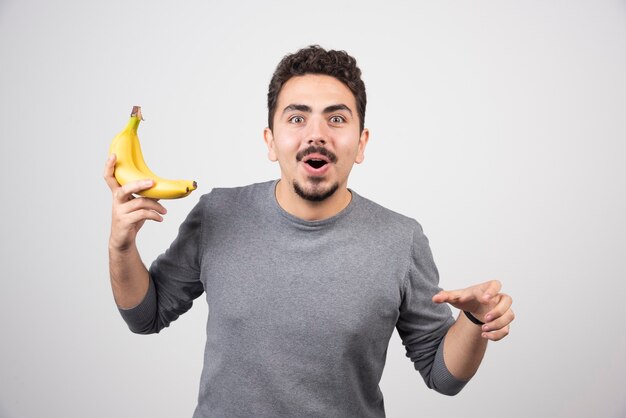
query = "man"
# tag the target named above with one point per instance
(305, 279)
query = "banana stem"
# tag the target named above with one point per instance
(136, 112)
(135, 118)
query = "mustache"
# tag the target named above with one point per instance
(312, 149)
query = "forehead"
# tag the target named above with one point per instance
(315, 90)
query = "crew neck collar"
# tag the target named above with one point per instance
(311, 224)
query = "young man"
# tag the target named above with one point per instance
(305, 279)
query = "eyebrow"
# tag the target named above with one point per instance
(307, 109)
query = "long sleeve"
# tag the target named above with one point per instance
(422, 324)
(174, 279)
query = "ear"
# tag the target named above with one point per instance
(365, 136)
(268, 136)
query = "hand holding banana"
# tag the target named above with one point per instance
(130, 165)
(127, 174)
(129, 212)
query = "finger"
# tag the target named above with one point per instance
(142, 215)
(143, 203)
(504, 304)
(490, 289)
(500, 322)
(496, 335)
(124, 193)
(109, 173)
(448, 296)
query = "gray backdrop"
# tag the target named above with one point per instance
(499, 125)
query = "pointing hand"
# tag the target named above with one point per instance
(485, 302)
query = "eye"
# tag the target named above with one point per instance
(337, 119)
(296, 119)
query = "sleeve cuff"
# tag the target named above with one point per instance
(140, 316)
(443, 381)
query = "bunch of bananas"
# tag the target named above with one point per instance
(130, 165)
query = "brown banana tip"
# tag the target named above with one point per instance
(195, 185)
(136, 112)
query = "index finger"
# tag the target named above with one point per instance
(448, 296)
(109, 170)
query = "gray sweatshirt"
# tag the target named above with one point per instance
(300, 312)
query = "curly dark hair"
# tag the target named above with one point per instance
(316, 60)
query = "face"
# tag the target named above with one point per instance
(316, 138)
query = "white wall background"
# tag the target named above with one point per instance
(499, 125)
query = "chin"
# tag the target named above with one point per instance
(315, 192)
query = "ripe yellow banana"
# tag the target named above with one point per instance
(130, 165)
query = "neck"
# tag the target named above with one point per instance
(311, 211)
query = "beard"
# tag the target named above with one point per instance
(315, 193)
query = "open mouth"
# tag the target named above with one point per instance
(316, 160)
(316, 163)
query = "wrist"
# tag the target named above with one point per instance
(120, 247)
(473, 318)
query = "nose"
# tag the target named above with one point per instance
(317, 134)
(317, 141)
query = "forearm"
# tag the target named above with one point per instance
(129, 276)
(464, 348)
